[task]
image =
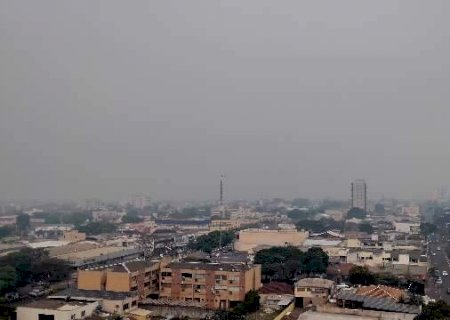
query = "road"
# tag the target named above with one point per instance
(439, 261)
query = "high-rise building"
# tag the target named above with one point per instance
(359, 194)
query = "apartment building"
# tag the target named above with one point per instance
(218, 285)
(134, 276)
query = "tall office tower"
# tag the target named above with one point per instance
(359, 194)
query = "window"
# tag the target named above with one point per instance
(166, 274)
(83, 313)
(186, 275)
(133, 303)
(46, 317)
(126, 306)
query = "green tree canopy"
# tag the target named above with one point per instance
(280, 263)
(427, 228)
(31, 265)
(250, 304)
(7, 231)
(23, 222)
(366, 227)
(95, 228)
(361, 275)
(208, 242)
(315, 260)
(379, 208)
(356, 213)
(131, 218)
(301, 203)
(434, 311)
(8, 278)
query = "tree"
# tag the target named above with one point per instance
(94, 228)
(434, 311)
(31, 265)
(251, 303)
(6, 231)
(213, 240)
(361, 275)
(131, 218)
(427, 228)
(379, 208)
(23, 222)
(8, 278)
(281, 263)
(301, 203)
(315, 260)
(226, 315)
(357, 213)
(366, 227)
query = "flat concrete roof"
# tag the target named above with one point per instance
(54, 304)
(310, 315)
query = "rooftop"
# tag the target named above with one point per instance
(381, 291)
(232, 267)
(275, 287)
(54, 304)
(315, 283)
(91, 294)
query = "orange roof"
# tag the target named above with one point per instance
(381, 291)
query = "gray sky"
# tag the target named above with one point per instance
(286, 98)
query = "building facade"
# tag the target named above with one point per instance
(249, 239)
(138, 276)
(218, 285)
(359, 194)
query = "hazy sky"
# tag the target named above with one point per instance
(286, 98)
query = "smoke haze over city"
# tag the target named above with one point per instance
(113, 98)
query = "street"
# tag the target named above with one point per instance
(439, 261)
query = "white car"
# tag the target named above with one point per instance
(439, 281)
(444, 273)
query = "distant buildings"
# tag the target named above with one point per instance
(216, 285)
(140, 201)
(359, 194)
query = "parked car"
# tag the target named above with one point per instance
(439, 280)
(448, 290)
(444, 273)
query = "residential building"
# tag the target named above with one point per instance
(133, 276)
(73, 236)
(140, 201)
(218, 285)
(313, 291)
(359, 194)
(250, 239)
(8, 220)
(407, 227)
(52, 309)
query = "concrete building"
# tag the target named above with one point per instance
(407, 227)
(219, 286)
(111, 302)
(136, 276)
(250, 239)
(313, 291)
(51, 309)
(73, 236)
(359, 194)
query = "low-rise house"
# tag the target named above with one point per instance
(53, 309)
(109, 301)
(315, 291)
